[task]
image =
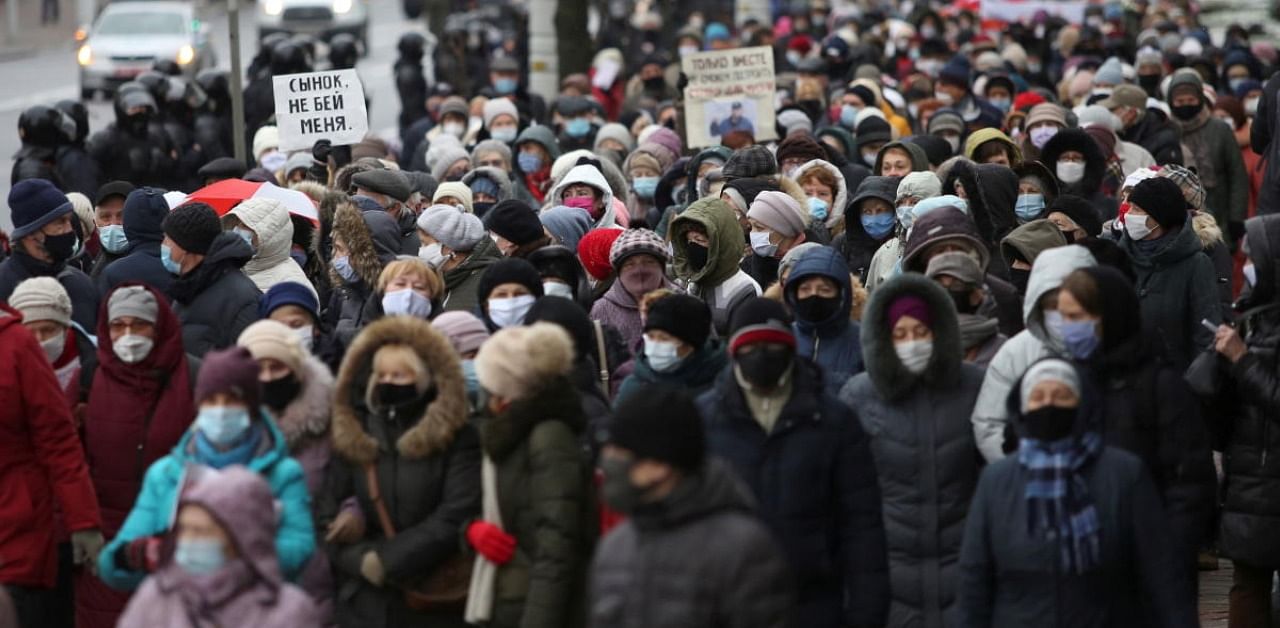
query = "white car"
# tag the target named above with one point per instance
(129, 37)
(320, 18)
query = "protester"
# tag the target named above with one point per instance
(639, 261)
(455, 244)
(143, 213)
(43, 241)
(677, 350)
(819, 292)
(707, 252)
(363, 244)
(265, 226)
(960, 274)
(506, 291)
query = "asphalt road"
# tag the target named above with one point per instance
(51, 74)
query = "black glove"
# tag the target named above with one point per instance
(682, 82)
(321, 151)
(341, 156)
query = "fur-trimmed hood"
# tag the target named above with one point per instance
(885, 369)
(372, 240)
(308, 415)
(1207, 228)
(841, 197)
(435, 430)
(588, 175)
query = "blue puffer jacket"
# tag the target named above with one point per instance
(833, 343)
(154, 510)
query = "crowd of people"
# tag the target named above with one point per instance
(983, 333)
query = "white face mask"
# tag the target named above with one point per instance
(1070, 171)
(1136, 226)
(944, 97)
(406, 302)
(455, 129)
(510, 311)
(914, 354)
(432, 255)
(761, 245)
(1042, 134)
(687, 50)
(869, 157)
(306, 336)
(557, 289)
(53, 347)
(663, 356)
(1251, 106)
(132, 349)
(1250, 274)
(954, 142)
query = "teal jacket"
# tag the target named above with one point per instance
(154, 510)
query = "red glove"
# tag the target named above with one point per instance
(491, 542)
(141, 554)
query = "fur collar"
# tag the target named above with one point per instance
(435, 430)
(891, 379)
(557, 401)
(307, 416)
(1207, 229)
(349, 225)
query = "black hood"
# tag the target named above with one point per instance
(1095, 165)
(887, 373)
(1262, 237)
(1119, 303)
(992, 192)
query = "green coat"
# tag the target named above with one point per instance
(545, 499)
(462, 283)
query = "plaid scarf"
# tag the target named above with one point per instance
(1058, 496)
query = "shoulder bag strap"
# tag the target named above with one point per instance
(375, 495)
(603, 356)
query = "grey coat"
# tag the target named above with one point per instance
(699, 558)
(925, 453)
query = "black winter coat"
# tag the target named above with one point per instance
(1263, 138)
(698, 558)
(142, 161)
(84, 296)
(815, 480)
(77, 171)
(216, 301)
(1155, 133)
(1178, 288)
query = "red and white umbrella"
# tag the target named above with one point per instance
(224, 195)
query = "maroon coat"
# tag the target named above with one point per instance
(40, 460)
(135, 415)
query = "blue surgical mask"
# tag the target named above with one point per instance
(906, 215)
(1080, 338)
(879, 225)
(1003, 104)
(199, 557)
(222, 425)
(166, 260)
(469, 374)
(506, 85)
(529, 162)
(245, 235)
(645, 186)
(848, 116)
(406, 303)
(818, 208)
(662, 356)
(506, 134)
(1029, 207)
(343, 267)
(113, 239)
(577, 127)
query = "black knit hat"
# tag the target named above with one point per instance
(510, 270)
(1162, 199)
(193, 227)
(871, 130)
(514, 220)
(760, 320)
(660, 423)
(682, 316)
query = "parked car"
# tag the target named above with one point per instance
(320, 18)
(129, 37)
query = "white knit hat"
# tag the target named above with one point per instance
(516, 361)
(272, 339)
(42, 299)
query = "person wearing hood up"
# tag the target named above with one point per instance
(562, 275)
(1067, 530)
(818, 291)
(916, 189)
(1042, 338)
(912, 402)
(213, 297)
(900, 158)
(1176, 282)
(868, 223)
(639, 260)
(144, 211)
(688, 517)
(778, 224)
(992, 146)
(232, 428)
(265, 226)
(536, 149)
(585, 188)
(1080, 167)
(827, 194)
(708, 252)
(1037, 189)
(1021, 247)
(363, 244)
(807, 461)
(1210, 145)
(489, 186)
(1264, 138)
(405, 476)
(677, 350)
(991, 191)
(961, 276)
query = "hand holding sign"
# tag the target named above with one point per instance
(320, 105)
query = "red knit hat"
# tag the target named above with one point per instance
(593, 251)
(1026, 100)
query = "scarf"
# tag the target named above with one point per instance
(240, 453)
(1197, 143)
(975, 330)
(1058, 499)
(537, 184)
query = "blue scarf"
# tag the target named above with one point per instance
(1058, 496)
(240, 453)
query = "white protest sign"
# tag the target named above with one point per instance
(320, 105)
(729, 90)
(1016, 10)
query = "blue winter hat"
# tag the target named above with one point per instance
(957, 71)
(716, 31)
(34, 203)
(1247, 86)
(567, 224)
(289, 293)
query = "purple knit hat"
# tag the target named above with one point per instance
(669, 140)
(231, 370)
(909, 305)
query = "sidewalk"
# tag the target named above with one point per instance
(32, 35)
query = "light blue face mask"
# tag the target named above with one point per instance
(645, 186)
(199, 557)
(113, 239)
(1080, 338)
(848, 116)
(1028, 207)
(529, 162)
(906, 215)
(222, 425)
(1003, 104)
(166, 260)
(342, 265)
(577, 127)
(245, 235)
(818, 208)
(406, 302)
(506, 85)
(879, 225)
(506, 134)
(469, 374)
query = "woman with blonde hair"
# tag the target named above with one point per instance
(410, 287)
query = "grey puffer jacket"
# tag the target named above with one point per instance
(924, 450)
(699, 558)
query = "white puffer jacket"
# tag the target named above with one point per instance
(271, 264)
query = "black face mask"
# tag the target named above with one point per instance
(399, 395)
(817, 309)
(763, 367)
(1019, 277)
(655, 84)
(137, 123)
(618, 491)
(482, 208)
(1069, 235)
(60, 247)
(697, 255)
(1186, 112)
(1149, 83)
(279, 393)
(1049, 423)
(960, 297)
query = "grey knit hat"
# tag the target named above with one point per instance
(616, 132)
(921, 185)
(778, 211)
(455, 229)
(447, 157)
(491, 146)
(752, 161)
(636, 242)
(42, 299)
(135, 301)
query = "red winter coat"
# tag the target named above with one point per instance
(40, 460)
(135, 415)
